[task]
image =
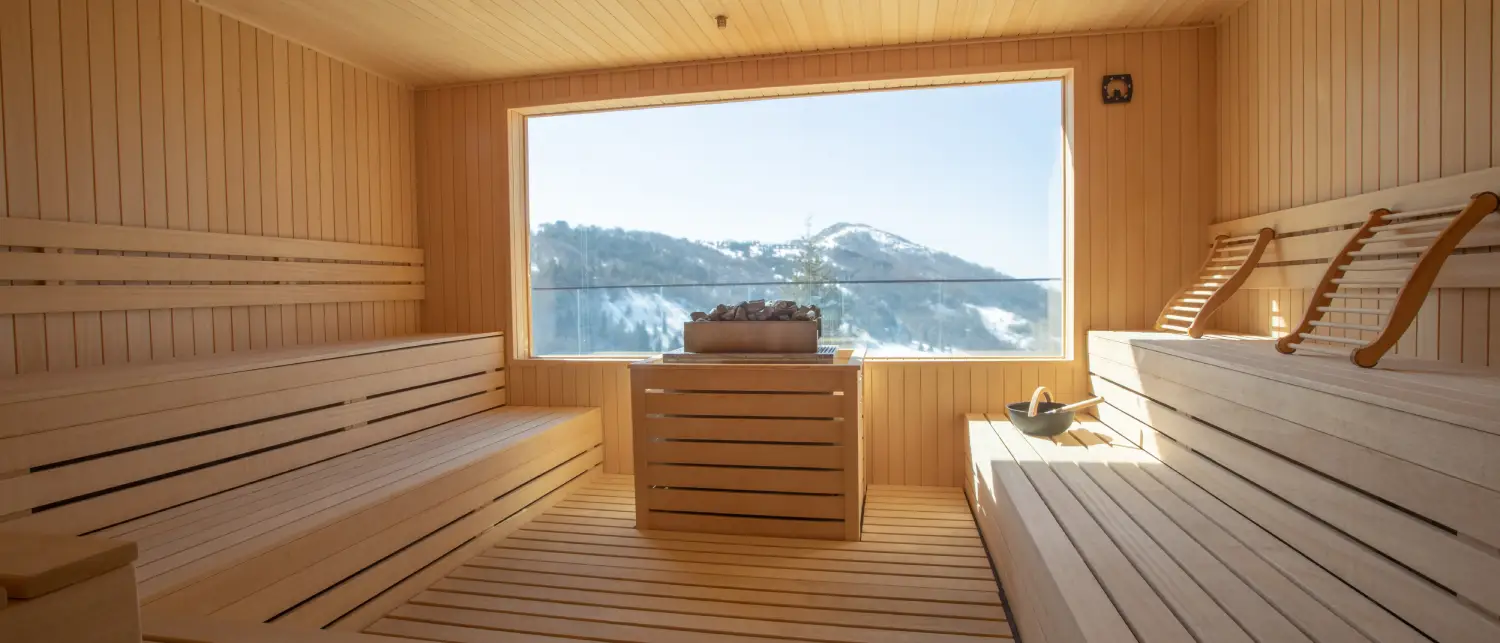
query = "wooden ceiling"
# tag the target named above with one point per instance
(434, 42)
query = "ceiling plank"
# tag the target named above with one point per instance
(436, 42)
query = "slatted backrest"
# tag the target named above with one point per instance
(1307, 237)
(82, 451)
(58, 267)
(1396, 470)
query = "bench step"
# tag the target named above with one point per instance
(253, 553)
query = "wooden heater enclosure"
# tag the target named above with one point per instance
(759, 449)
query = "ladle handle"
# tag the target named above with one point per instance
(1078, 406)
(1036, 400)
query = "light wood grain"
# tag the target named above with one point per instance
(1409, 120)
(702, 426)
(346, 471)
(557, 577)
(1307, 481)
(174, 433)
(149, 133)
(440, 41)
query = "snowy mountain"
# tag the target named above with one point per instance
(614, 290)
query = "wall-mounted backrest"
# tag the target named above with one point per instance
(1308, 236)
(64, 271)
(83, 450)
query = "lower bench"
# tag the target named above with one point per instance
(311, 487)
(355, 523)
(1116, 531)
(1106, 543)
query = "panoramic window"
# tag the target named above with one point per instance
(922, 222)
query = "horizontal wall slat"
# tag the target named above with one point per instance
(37, 233)
(55, 385)
(748, 504)
(21, 300)
(31, 266)
(745, 378)
(747, 455)
(759, 405)
(672, 475)
(745, 430)
(811, 529)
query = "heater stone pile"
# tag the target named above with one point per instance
(759, 310)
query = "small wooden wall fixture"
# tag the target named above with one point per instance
(1380, 254)
(751, 449)
(1229, 264)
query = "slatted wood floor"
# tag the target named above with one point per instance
(582, 571)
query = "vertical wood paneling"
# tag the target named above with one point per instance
(1413, 94)
(1145, 187)
(162, 114)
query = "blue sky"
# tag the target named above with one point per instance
(971, 170)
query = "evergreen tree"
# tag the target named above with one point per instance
(812, 271)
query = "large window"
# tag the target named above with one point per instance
(923, 222)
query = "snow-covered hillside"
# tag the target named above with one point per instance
(616, 290)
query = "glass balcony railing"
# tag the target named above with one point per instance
(893, 318)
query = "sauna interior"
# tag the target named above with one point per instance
(353, 321)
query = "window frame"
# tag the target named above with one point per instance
(520, 337)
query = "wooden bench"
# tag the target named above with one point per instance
(1213, 501)
(292, 485)
(66, 588)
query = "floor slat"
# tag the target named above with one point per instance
(582, 571)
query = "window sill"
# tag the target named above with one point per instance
(590, 359)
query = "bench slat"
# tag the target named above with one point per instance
(748, 503)
(1148, 615)
(1193, 608)
(1237, 550)
(102, 511)
(534, 498)
(554, 466)
(1428, 550)
(53, 485)
(293, 484)
(1248, 609)
(1426, 606)
(1464, 506)
(235, 533)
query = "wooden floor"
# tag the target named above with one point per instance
(582, 571)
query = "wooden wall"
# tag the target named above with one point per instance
(158, 114)
(1145, 192)
(1323, 99)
